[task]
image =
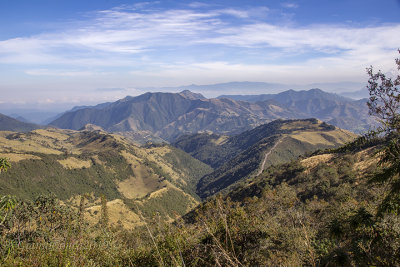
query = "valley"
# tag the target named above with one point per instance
(173, 179)
(199, 133)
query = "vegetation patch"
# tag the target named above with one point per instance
(119, 215)
(75, 163)
(139, 185)
(53, 133)
(312, 162)
(328, 138)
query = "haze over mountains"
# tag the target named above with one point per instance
(169, 115)
(253, 88)
(10, 124)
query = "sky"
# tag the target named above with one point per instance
(57, 52)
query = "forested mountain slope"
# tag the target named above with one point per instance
(246, 154)
(70, 164)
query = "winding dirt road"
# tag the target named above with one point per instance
(266, 157)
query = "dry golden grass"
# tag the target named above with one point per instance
(161, 151)
(158, 193)
(312, 162)
(140, 185)
(143, 182)
(26, 145)
(53, 133)
(74, 163)
(97, 160)
(49, 141)
(221, 140)
(298, 124)
(364, 159)
(319, 138)
(15, 157)
(118, 214)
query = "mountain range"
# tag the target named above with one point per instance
(170, 115)
(260, 87)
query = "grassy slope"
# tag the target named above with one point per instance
(71, 163)
(295, 138)
(301, 213)
(315, 211)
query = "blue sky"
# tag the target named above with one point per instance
(56, 51)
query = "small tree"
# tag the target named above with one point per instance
(4, 164)
(384, 103)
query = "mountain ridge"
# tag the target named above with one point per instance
(170, 115)
(237, 157)
(11, 124)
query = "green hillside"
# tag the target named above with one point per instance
(70, 164)
(246, 154)
(314, 211)
(317, 211)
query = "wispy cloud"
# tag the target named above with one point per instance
(290, 5)
(147, 41)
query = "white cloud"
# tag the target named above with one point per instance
(290, 5)
(118, 37)
(169, 48)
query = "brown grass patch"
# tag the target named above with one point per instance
(52, 133)
(298, 124)
(14, 157)
(74, 163)
(329, 138)
(143, 182)
(221, 140)
(312, 162)
(118, 213)
(365, 159)
(140, 185)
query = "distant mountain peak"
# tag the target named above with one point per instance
(190, 95)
